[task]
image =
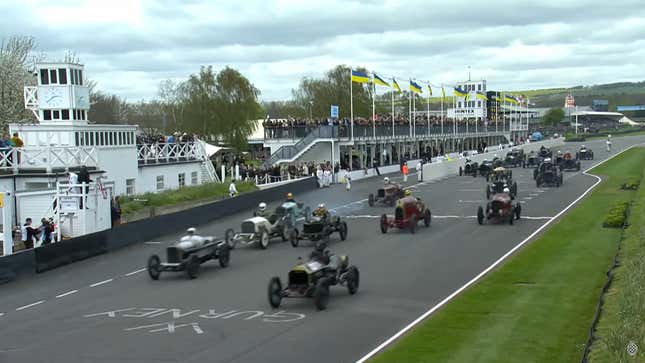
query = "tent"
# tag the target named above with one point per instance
(212, 149)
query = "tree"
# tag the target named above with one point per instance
(16, 71)
(107, 109)
(553, 117)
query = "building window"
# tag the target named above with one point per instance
(62, 75)
(47, 115)
(159, 182)
(44, 77)
(182, 179)
(64, 114)
(459, 104)
(479, 103)
(111, 142)
(193, 178)
(80, 77)
(56, 115)
(129, 186)
(52, 76)
(479, 87)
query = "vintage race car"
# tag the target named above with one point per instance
(283, 223)
(387, 195)
(499, 209)
(568, 163)
(485, 168)
(407, 214)
(532, 160)
(319, 228)
(469, 168)
(499, 185)
(548, 173)
(584, 154)
(188, 254)
(514, 158)
(500, 174)
(313, 278)
(545, 152)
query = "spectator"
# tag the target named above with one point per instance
(84, 177)
(46, 230)
(16, 141)
(232, 190)
(420, 171)
(115, 211)
(405, 171)
(28, 234)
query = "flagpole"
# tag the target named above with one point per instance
(351, 110)
(414, 114)
(373, 108)
(442, 97)
(410, 111)
(496, 110)
(429, 94)
(393, 113)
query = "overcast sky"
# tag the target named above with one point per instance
(130, 46)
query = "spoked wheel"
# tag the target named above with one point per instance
(518, 211)
(229, 237)
(275, 292)
(321, 294)
(427, 218)
(480, 215)
(154, 267)
(285, 233)
(224, 257)
(192, 267)
(384, 224)
(293, 238)
(413, 224)
(264, 239)
(343, 231)
(370, 200)
(353, 279)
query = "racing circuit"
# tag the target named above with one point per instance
(107, 309)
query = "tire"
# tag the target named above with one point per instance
(343, 231)
(480, 215)
(264, 239)
(514, 189)
(285, 233)
(412, 224)
(294, 238)
(275, 292)
(154, 267)
(537, 183)
(228, 237)
(192, 267)
(370, 200)
(461, 171)
(321, 294)
(578, 166)
(427, 218)
(384, 224)
(518, 211)
(307, 213)
(224, 257)
(511, 218)
(353, 280)
(488, 192)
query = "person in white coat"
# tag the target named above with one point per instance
(419, 171)
(327, 177)
(319, 175)
(348, 181)
(232, 190)
(608, 143)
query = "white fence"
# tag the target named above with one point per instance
(47, 157)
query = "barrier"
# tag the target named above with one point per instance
(68, 251)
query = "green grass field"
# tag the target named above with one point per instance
(538, 306)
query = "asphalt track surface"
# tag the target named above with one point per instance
(107, 309)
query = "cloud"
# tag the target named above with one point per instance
(129, 46)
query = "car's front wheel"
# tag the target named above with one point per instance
(264, 239)
(427, 218)
(192, 267)
(384, 224)
(275, 292)
(229, 237)
(154, 267)
(224, 256)
(293, 238)
(321, 294)
(353, 279)
(480, 215)
(343, 231)
(413, 224)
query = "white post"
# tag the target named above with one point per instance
(7, 212)
(223, 169)
(351, 106)
(237, 171)
(393, 112)
(576, 119)
(410, 111)
(84, 201)
(58, 226)
(428, 130)
(442, 92)
(373, 109)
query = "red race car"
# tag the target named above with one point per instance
(408, 212)
(500, 208)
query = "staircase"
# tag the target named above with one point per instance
(289, 153)
(207, 169)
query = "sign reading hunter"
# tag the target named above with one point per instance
(68, 204)
(334, 111)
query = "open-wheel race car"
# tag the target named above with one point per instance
(284, 222)
(514, 158)
(499, 185)
(545, 152)
(312, 279)
(533, 159)
(407, 214)
(188, 254)
(500, 208)
(548, 173)
(320, 228)
(485, 168)
(469, 168)
(500, 173)
(388, 195)
(568, 163)
(584, 154)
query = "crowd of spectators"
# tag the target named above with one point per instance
(157, 138)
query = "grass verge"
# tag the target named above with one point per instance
(622, 319)
(198, 193)
(538, 306)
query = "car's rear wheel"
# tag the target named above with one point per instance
(413, 224)
(321, 294)
(154, 267)
(353, 279)
(343, 231)
(518, 211)
(461, 171)
(307, 213)
(427, 218)
(488, 192)
(275, 292)
(294, 238)
(264, 239)
(511, 217)
(370, 200)
(229, 237)
(384, 224)
(480, 215)
(537, 183)
(192, 267)
(224, 256)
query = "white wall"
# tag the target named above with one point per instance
(320, 152)
(119, 164)
(147, 176)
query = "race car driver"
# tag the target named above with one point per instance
(262, 210)
(321, 211)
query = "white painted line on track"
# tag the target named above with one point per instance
(151, 243)
(376, 350)
(30, 305)
(101, 282)
(527, 198)
(469, 190)
(366, 216)
(66, 293)
(1, 314)
(135, 272)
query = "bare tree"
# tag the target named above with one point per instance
(17, 64)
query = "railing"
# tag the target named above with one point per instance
(290, 151)
(160, 153)
(207, 164)
(47, 157)
(270, 179)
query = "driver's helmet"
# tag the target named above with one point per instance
(191, 231)
(289, 196)
(408, 193)
(609, 136)
(386, 180)
(506, 190)
(583, 147)
(262, 207)
(559, 152)
(495, 156)
(321, 209)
